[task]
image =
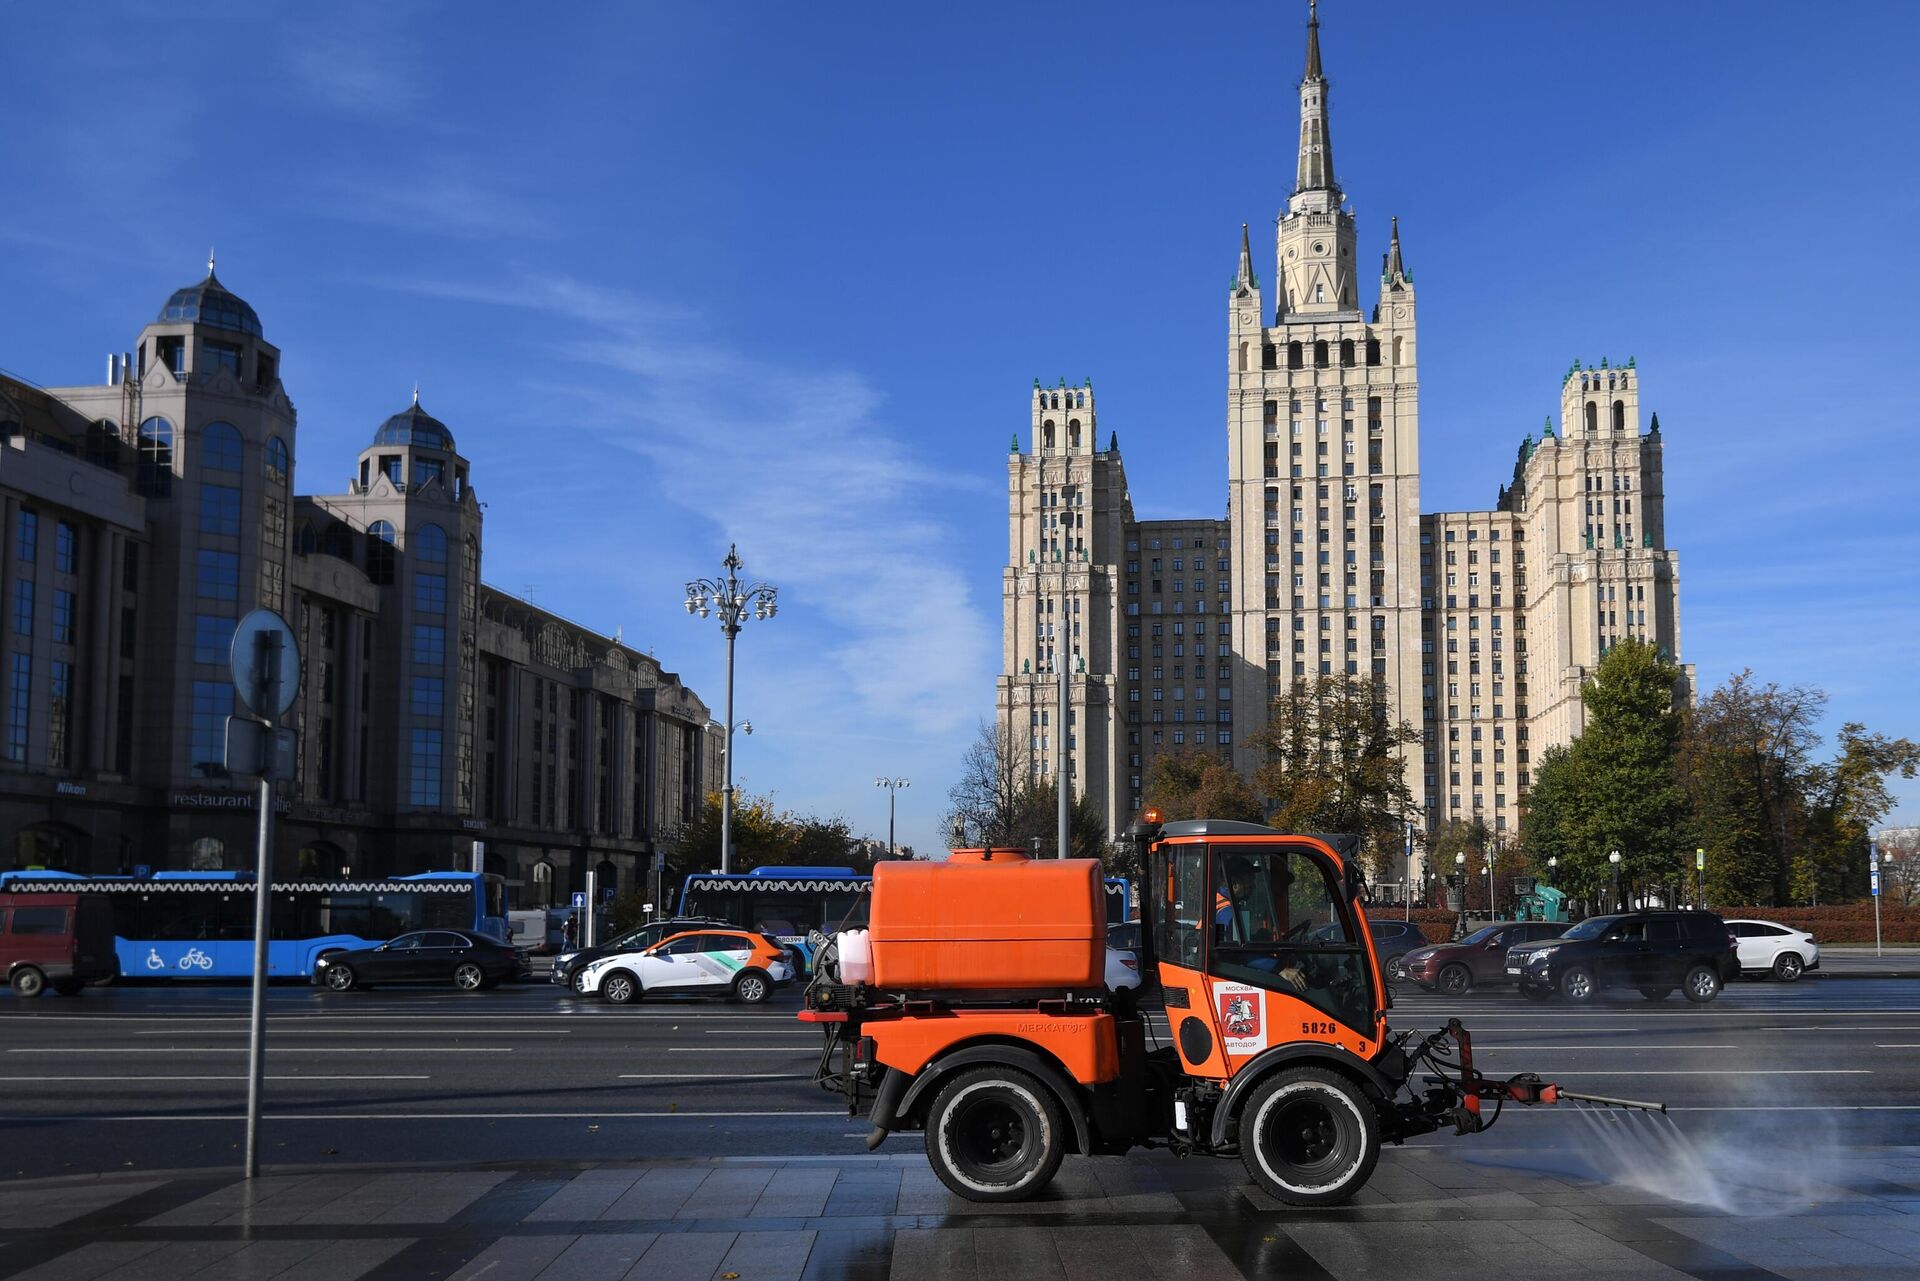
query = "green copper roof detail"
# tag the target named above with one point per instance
(1013, 446)
(1113, 443)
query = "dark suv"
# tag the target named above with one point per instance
(1653, 952)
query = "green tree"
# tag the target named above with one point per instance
(1036, 817)
(1331, 761)
(1847, 798)
(1634, 802)
(765, 835)
(1198, 784)
(1616, 786)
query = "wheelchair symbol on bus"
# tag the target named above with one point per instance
(153, 959)
(196, 959)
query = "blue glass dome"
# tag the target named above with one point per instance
(210, 303)
(414, 426)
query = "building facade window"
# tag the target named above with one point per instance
(429, 644)
(207, 731)
(19, 700)
(212, 638)
(423, 767)
(429, 697)
(430, 593)
(66, 547)
(155, 476)
(220, 447)
(220, 510)
(23, 607)
(217, 575)
(59, 714)
(62, 617)
(278, 462)
(26, 541)
(380, 553)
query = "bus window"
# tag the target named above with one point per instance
(445, 911)
(785, 915)
(393, 912)
(343, 914)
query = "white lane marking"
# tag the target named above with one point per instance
(280, 1029)
(712, 1076)
(1478, 1048)
(290, 1076)
(1910, 1045)
(1731, 1107)
(287, 1076)
(1856, 1027)
(1578, 1071)
(271, 1049)
(743, 1049)
(835, 1114)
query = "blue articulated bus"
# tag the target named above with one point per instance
(199, 925)
(785, 902)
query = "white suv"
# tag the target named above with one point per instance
(1768, 948)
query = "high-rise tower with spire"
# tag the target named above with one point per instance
(1323, 451)
(1479, 626)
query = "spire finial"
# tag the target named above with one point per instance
(1316, 140)
(1243, 278)
(416, 391)
(209, 262)
(1396, 272)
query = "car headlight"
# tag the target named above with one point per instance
(564, 957)
(1419, 955)
(323, 962)
(1541, 954)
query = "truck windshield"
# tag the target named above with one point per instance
(1279, 921)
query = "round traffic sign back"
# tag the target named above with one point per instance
(266, 664)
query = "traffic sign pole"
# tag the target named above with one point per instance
(1873, 874)
(266, 675)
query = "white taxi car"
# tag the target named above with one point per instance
(711, 962)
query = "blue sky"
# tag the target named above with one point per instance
(683, 274)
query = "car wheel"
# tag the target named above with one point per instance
(1656, 993)
(620, 987)
(1701, 984)
(1397, 969)
(995, 1134)
(1455, 980)
(1534, 992)
(28, 981)
(340, 978)
(469, 977)
(1577, 983)
(579, 982)
(1788, 967)
(751, 987)
(1309, 1137)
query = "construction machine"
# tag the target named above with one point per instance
(973, 1009)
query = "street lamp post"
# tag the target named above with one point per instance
(732, 598)
(1460, 875)
(1409, 869)
(1489, 888)
(1620, 903)
(893, 786)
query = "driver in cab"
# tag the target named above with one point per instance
(1244, 915)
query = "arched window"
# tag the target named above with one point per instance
(429, 545)
(1346, 353)
(1269, 356)
(1320, 354)
(1296, 356)
(1243, 356)
(1373, 351)
(103, 445)
(609, 880)
(220, 447)
(337, 541)
(1397, 341)
(1593, 418)
(278, 462)
(380, 553)
(155, 478)
(305, 541)
(1073, 433)
(1619, 415)
(542, 884)
(1046, 434)
(1079, 400)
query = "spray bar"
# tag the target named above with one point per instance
(1610, 1102)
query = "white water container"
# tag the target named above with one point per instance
(856, 956)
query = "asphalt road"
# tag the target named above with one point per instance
(154, 1077)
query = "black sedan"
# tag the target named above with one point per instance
(470, 962)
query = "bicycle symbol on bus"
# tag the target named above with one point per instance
(193, 959)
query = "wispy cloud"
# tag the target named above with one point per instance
(363, 73)
(803, 470)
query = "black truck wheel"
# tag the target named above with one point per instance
(995, 1134)
(1308, 1136)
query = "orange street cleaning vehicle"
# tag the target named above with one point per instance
(973, 1009)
